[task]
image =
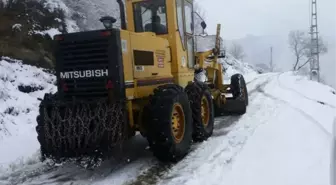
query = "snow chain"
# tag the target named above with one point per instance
(83, 128)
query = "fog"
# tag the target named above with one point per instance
(268, 23)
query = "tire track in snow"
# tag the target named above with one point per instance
(218, 153)
(38, 174)
(299, 93)
(309, 117)
(223, 126)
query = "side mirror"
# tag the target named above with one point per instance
(203, 24)
(192, 27)
(162, 10)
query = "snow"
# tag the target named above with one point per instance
(294, 143)
(284, 138)
(18, 110)
(230, 64)
(333, 156)
(17, 27)
(52, 5)
(51, 32)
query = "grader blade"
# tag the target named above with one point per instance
(231, 107)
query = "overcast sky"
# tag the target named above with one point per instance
(274, 18)
(266, 17)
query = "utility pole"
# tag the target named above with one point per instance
(271, 60)
(314, 46)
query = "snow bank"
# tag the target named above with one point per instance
(21, 85)
(294, 146)
(333, 157)
(51, 32)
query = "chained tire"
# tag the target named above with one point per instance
(41, 134)
(169, 124)
(239, 92)
(79, 130)
(202, 107)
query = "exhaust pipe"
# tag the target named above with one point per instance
(122, 14)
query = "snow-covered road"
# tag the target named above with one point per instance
(284, 138)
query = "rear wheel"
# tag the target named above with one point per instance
(169, 124)
(40, 128)
(202, 110)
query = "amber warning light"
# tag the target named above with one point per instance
(105, 33)
(109, 85)
(64, 86)
(59, 37)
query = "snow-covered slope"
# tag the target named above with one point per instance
(20, 86)
(295, 143)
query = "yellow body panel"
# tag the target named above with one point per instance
(173, 66)
(182, 74)
(160, 48)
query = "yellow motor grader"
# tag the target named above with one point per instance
(114, 82)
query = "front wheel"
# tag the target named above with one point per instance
(239, 92)
(239, 89)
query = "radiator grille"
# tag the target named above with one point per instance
(80, 56)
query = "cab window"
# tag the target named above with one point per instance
(150, 16)
(189, 17)
(180, 19)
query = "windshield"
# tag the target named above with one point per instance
(150, 16)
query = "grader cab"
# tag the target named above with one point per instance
(139, 78)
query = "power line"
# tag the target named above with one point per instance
(271, 60)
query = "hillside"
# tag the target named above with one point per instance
(27, 29)
(21, 85)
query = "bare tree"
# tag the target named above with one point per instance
(237, 51)
(322, 50)
(300, 43)
(297, 42)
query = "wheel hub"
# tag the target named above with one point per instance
(205, 111)
(178, 123)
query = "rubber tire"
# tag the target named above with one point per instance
(196, 91)
(159, 135)
(238, 88)
(40, 125)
